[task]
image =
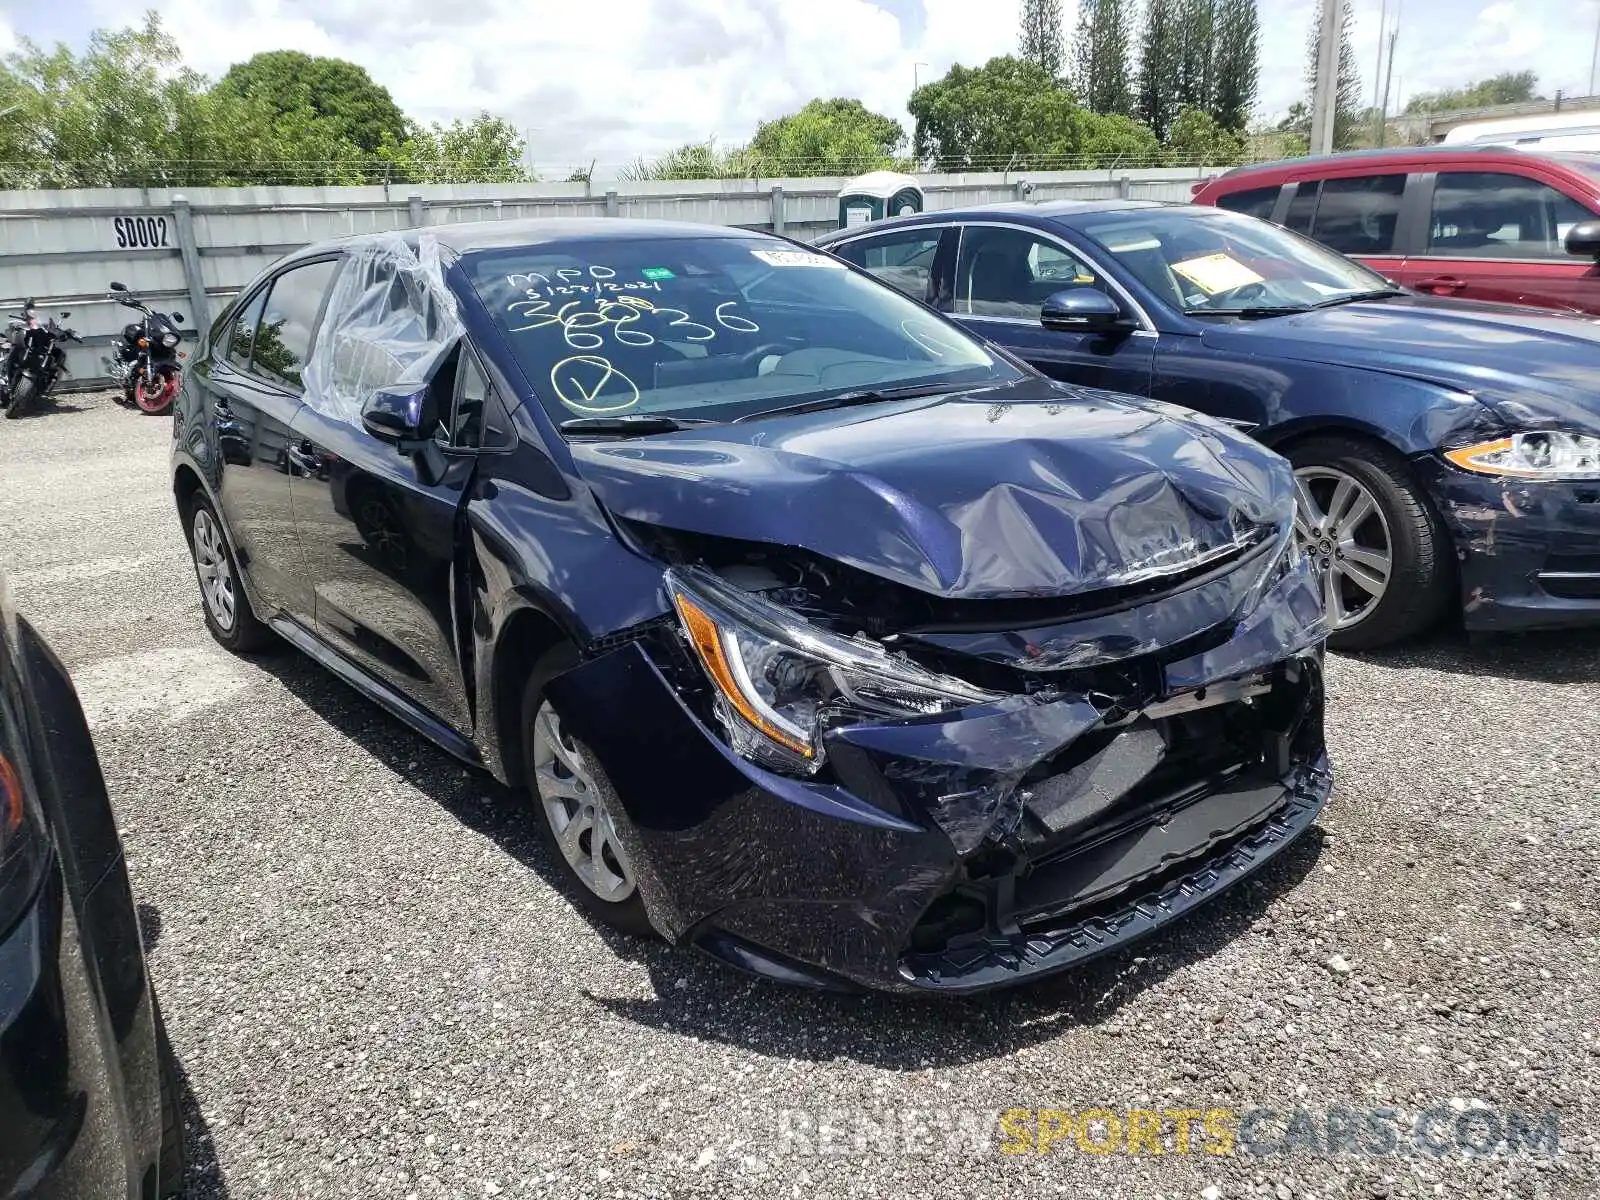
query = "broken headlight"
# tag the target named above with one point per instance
(1533, 456)
(779, 678)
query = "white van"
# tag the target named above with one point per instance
(1566, 131)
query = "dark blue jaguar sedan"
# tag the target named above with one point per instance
(1447, 454)
(824, 638)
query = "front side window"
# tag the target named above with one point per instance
(1003, 272)
(283, 338)
(1303, 207)
(1358, 214)
(245, 319)
(1490, 214)
(693, 327)
(1208, 261)
(902, 260)
(1255, 202)
(463, 428)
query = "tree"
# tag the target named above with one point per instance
(1347, 105)
(1236, 69)
(1511, 87)
(338, 93)
(828, 137)
(1160, 51)
(697, 160)
(1103, 77)
(1197, 137)
(1196, 36)
(1008, 114)
(486, 149)
(1040, 41)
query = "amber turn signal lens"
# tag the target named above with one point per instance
(10, 797)
(708, 645)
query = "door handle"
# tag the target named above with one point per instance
(1441, 283)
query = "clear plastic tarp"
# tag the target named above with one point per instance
(391, 321)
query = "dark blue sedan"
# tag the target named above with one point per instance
(1447, 453)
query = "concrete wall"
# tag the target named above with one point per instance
(193, 250)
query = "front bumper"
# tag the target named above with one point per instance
(1099, 829)
(1529, 552)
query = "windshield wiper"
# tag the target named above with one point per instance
(1372, 294)
(860, 396)
(633, 424)
(1257, 313)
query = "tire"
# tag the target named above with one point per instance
(171, 1165)
(1420, 573)
(223, 599)
(161, 400)
(625, 914)
(22, 396)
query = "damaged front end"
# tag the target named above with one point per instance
(831, 778)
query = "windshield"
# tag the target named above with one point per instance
(1206, 261)
(710, 327)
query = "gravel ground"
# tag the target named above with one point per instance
(376, 990)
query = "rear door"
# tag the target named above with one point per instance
(1499, 235)
(254, 389)
(1357, 215)
(1004, 274)
(380, 529)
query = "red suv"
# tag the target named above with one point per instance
(1489, 223)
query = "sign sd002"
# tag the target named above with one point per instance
(142, 233)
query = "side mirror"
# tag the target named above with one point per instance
(1583, 239)
(118, 287)
(65, 313)
(395, 417)
(177, 318)
(1083, 310)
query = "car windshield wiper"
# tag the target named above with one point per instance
(1371, 294)
(633, 424)
(860, 396)
(1258, 313)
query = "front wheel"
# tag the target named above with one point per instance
(1380, 550)
(22, 396)
(154, 397)
(575, 799)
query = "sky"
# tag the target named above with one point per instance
(608, 80)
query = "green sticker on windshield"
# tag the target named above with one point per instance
(657, 274)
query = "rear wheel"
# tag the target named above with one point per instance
(1370, 530)
(227, 608)
(22, 396)
(574, 799)
(170, 1168)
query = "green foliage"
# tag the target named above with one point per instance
(1103, 76)
(338, 94)
(828, 137)
(1236, 65)
(1347, 121)
(486, 149)
(697, 160)
(1040, 39)
(1160, 54)
(1198, 137)
(1510, 87)
(1008, 114)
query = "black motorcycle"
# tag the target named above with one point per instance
(35, 358)
(145, 358)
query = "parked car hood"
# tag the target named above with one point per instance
(1038, 489)
(1531, 366)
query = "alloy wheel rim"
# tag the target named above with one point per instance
(577, 814)
(211, 565)
(1343, 529)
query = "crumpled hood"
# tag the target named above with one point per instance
(1530, 365)
(1039, 489)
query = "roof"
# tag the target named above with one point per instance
(1043, 210)
(467, 236)
(1387, 152)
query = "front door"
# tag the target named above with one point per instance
(1500, 237)
(1003, 276)
(381, 531)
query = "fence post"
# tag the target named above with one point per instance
(190, 249)
(1124, 187)
(611, 202)
(414, 209)
(777, 211)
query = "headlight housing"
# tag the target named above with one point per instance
(1539, 455)
(781, 681)
(169, 340)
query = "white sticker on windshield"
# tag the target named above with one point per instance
(796, 258)
(1216, 273)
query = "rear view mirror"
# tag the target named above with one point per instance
(1083, 310)
(1583, 239)
(395, 416)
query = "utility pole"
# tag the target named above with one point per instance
(1325, 96)
(1594, 58)
(916, 80)
(1388, 76)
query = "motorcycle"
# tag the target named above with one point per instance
(145, 358)
(35, 358)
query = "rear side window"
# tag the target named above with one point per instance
(1256, 202)
(1358, 215)
(1491, 214)
(283, 339)
(904, 260)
